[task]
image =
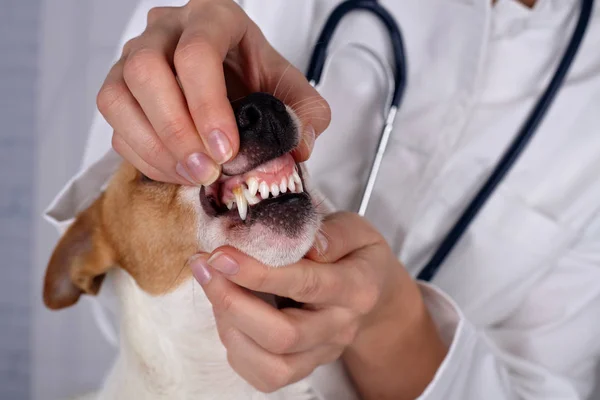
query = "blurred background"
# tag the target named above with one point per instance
(54, 55)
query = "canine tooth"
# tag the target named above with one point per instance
(283, 185)
(275, 189)
(296, 177)
(252, 200)
(264, 190)
(242, 203)
(291, 184)
(252, 186)
(300, 187)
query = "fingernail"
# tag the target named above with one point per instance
(219, 146)
(203, 170)
(181, 171)
(200, 270)
(223, 263)
(321, 243)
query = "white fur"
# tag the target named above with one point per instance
(170, 349)
(169, 345)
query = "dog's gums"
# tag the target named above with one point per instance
(270, 180)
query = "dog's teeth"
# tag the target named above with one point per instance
(230, 204)
(300, 187)
(242, 203)
(252, 186)
(291, 184)
(264, 190)
(275, 189)
(252, 199)
(296, 177)
(283, 185)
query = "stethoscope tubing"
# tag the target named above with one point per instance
(510, 155)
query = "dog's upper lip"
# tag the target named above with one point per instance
(238, 193)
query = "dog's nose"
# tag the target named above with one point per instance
(267, 130)
(262, 116)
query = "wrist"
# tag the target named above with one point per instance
(397, 354)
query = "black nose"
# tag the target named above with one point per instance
(267, 130)
(262, 118)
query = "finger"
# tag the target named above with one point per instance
(125, 150)
(290, 85)
(198, 60)
(279, 332)
(268, 372)
(340, 234)
(123, 113)
(305, 282)
(149, 75)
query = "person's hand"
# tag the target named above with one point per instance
(359, 301)
(182, 134)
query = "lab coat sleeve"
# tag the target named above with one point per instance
(547, 349)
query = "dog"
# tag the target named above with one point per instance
(141, 233)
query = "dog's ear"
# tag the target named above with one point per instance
(79, 261)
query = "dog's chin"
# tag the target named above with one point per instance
(277, 233)
(278, 230)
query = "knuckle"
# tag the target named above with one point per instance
(156, 14)
(111, 97)
(139, 65)
(285, 339)
(348, 334)
(281, 377)
(151, 150)
(227, 336)
(117, 144)
(153, 175)
(130, 45)
(174, 130)
(224, 304)
(225, 10)
(186, 53)
(367, 297)
(262, 277)
(264, 387)
(308, 287)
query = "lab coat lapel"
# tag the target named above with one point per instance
(509, 243)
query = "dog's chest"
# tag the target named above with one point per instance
(170, 349)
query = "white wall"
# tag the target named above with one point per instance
(78, 40)
(19, 22)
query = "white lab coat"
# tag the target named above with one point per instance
(518, 300)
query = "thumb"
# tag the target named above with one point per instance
(289, 85)
(341, 234)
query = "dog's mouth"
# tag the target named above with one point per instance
(254, 193)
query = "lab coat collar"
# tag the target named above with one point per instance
(81, 191)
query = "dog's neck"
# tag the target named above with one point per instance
(170, 348)
(169, 344)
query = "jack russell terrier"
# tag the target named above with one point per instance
(143, 232)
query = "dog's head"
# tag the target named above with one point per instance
(261, 205)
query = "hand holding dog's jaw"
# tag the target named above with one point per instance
(357, 294)
(143, 232)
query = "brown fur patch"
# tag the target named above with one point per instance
(152, 231)
(139, 225)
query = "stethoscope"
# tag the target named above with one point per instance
(510, 156)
